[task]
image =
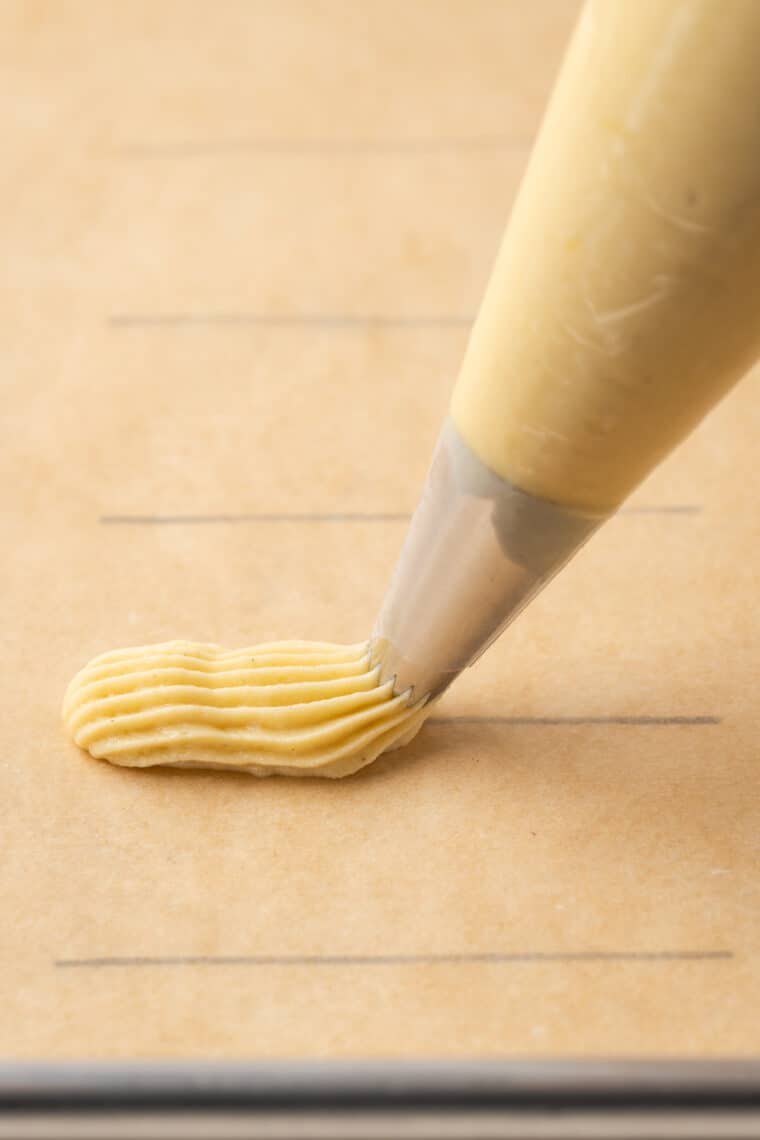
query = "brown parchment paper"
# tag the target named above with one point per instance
(241, 246)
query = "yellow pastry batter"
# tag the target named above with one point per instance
(296, 708)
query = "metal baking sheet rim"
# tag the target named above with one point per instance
(309, 1100)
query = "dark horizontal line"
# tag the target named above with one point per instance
(396, 959)
(325, 516)
(653, 721)
(294, 147)
(672, 509)
(172, 520)
(295, 320)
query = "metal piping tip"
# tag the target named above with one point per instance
(409, 679)
(477, 550)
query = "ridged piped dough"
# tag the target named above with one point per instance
(296, 708)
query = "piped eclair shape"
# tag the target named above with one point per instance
(295, 708)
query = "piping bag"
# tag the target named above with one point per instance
(624, 303)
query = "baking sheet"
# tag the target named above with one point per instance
(242, 246)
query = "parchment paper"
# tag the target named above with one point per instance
(241, 247)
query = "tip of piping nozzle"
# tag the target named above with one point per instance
(419, 684)
(477, 551)
(385, 659)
